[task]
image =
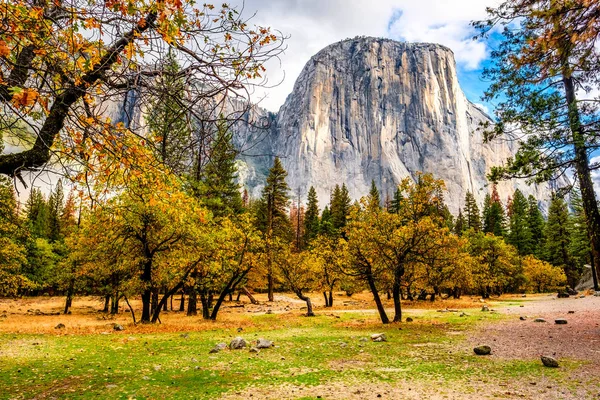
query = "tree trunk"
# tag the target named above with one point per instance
(326, 299)
(582, 167)
(182, 301)
(249, 295)
(165, 304)
(270, 286)
(205, 306)
(380, 309)
(146, 298)
(159, 306)
(397, 301)
(147, 293)
(192, 302)
(114, 307)
(106, 303)
(70, 292)
(331, 298)
(154, 300)
(594, 274)
(309, 309)
(238, 295)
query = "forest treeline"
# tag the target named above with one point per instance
(190, 245)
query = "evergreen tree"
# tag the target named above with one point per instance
(396, 202)
(272, 215)
(374, 197)
(55, 212)
(168, 120)
(494, 218)
(326, 226)
(558, 239)
(580, 242)
(471, 213)
(218, 189)
(311, 217)
(36, 210)
(460, 225)
(519, 235)
(340, 207)
(536, 223)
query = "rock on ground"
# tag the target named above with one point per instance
(379, 337)
(483, 350)
(237, 343)
(549, 362)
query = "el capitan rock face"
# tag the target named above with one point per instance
(375, 109)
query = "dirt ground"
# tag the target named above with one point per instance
(576, 344)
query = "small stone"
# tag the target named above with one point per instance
(110, 386)
(597, 294)
(539, 320)
(60, 326)
(240, 329)
(409, 319)
(196, 367)
(483, 350)
(254, 350)
(485, 308)
(549, 362)
(563, 295)
(146, 378)
(522, 318)
(157, 367)
(343, 344)
(264, 344)
(571, 312)
(521, 305)
(118, 327)
(463, 314)
(218, 347)
(523, 295)
(560, 321)
(582, 296)
(269, 312)
(184, 335)
(378, 337)
(282, 358)
(363, 339)
(237, 343)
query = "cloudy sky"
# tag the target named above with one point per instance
(313, 24)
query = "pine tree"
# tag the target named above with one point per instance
(471, 213)
(311, 217)
(272, 215)
(494, 218)
(168, 119)
(55, 211)
(580, 242)
(340, 207)
(374, 197)
(558, 239)
(326, 226)
(396, 202)
(36, 210)
(536, 223)
(460, 225)
(519, 235)
(218, 189)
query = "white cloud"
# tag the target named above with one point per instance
(314, 24)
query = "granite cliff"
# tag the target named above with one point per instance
(376, 109)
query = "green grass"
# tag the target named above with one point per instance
(311, 351)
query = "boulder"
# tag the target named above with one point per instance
(483, 350)
(549, 362)
(560, 321)
(118, 327)
(409, 319)
(522, 318)
(563, 295)
(237, 343)
(254, 350)
(485, 308)
(571, 291)
(379, 337)
(60, 326)
(264, 344)
(539, 320)
(218, 348)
